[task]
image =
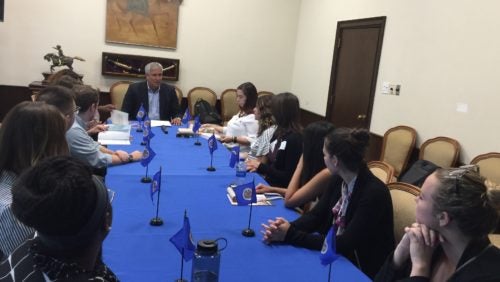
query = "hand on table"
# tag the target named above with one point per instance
(275, 230)
(252, 165)
(176, 121)
(261, 188)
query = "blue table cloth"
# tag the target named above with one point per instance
(137, 251)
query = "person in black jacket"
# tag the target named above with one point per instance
(285, 145)
(448, 242)
(159, 99)
(356, 201)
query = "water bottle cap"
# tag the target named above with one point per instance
(207, 247)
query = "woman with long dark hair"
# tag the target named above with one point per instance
(286, 143)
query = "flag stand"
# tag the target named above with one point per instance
(146, 178)
(248, 232)
(182, 269)
(330, 272)
(211, 168)
(157, 221)
(197, 143)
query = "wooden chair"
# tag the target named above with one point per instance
(397, 146)
(178, 92)
(442, 151)
(204, 93)
(263, 93)
(382, 171)
(403, 206)
(117, 92)
(495, 239)
(228, 104)
(489, 166)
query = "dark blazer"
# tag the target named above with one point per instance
(368, 234)
(279, 171)
(137, 94)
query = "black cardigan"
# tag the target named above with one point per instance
(280, 171)
(485, 267)
(369, 223)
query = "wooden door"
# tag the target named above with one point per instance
(354, 72)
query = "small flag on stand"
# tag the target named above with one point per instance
(147, 155)
(147, 133)
(183, 240)
(235, 156)
(156, 184)
(140, 113)
(196, 124)
(245, 194)
(328, 252)
(186, 117)
(212, 144)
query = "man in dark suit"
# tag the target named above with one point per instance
(159, 99)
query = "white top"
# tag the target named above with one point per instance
(245, 126)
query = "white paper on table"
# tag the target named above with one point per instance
(208, 135)
(119, 117)
(156, 123)
(115, 135)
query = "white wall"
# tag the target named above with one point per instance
(221, 43)
(441, 52)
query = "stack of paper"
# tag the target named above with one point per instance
(115, 135)
(261, 199)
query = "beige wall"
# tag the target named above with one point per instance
(441, 52)
(221, 43)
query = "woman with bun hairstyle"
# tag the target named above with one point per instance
(356, 202)
(449, 240)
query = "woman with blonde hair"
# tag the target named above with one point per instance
(449, 240)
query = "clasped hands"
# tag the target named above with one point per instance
(418, 244)
(275, 230)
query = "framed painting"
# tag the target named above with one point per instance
(143, 22)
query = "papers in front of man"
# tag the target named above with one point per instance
(156, 123)
(116, 134)
(262, 200)
(119, 117)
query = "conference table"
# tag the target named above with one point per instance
(137, 251)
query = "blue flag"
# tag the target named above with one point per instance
(197, 124)
(147, 155)
(186, 117)
(212, 144)
(147, 133)
(328, 252)
(155, 185)
(235, 156)
(183, 240)
(140, 113)
(245, 194)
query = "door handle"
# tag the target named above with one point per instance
(361, 117)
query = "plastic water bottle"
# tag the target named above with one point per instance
(206, 262)
(241, 168)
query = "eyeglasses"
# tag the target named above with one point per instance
(75, 111)
(458, 174)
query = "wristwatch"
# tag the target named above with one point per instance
(130, 158)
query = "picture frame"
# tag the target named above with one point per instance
(125, 65)
(143, 22)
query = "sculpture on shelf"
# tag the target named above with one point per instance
(59, 59)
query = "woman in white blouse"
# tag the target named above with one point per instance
(242, 128)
